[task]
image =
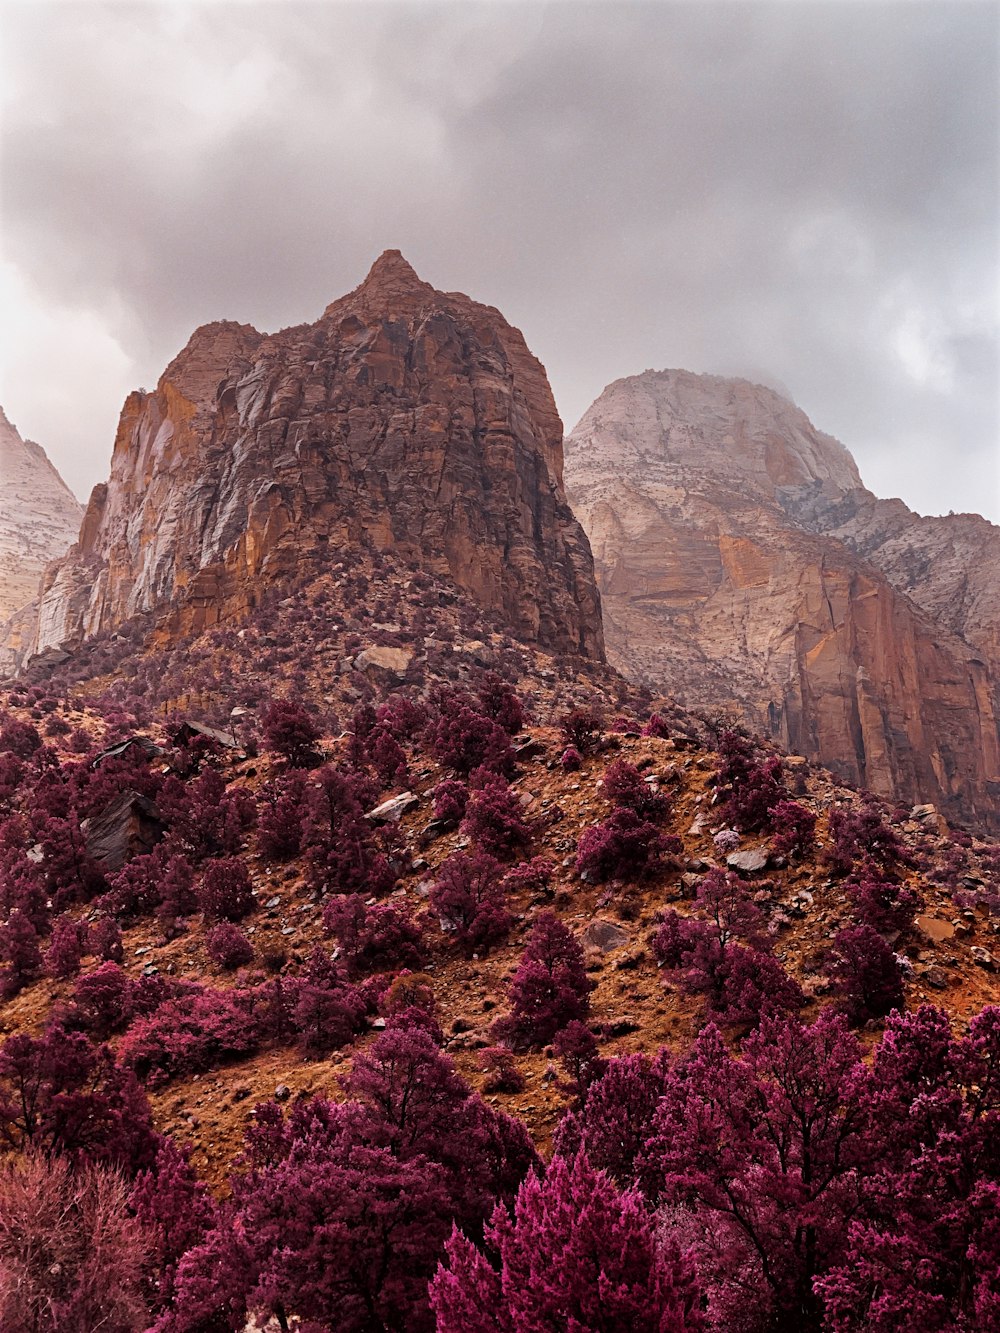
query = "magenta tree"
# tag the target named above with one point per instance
(766, 1153)
(865, 974)
(470, 900)
(625, 846)
(290, 731)
(578, 1256)
(550, 987)
(494, 819)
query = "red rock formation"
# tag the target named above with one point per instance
(742, 565)
(405, 417)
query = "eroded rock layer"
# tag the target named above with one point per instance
(742, 564)
(405, 417)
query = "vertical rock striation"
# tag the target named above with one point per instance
(406, 417)
(742, 564)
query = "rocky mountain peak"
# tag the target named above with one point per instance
(741, 431)
(410, 419)
(743, 566)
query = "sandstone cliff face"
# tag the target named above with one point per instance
(39, 519)
(742, 563)
(410, 418)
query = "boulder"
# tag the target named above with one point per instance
(605, 936)
(750, 861)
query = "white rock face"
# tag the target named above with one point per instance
(39, 517)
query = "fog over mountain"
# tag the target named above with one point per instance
(805, 195)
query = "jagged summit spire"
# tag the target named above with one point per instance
(392, 267)
(390, 279)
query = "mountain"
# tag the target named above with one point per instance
(39, 517)
(743, 564)
(406, 419)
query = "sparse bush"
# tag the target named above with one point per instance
(582, 729)
(227, 946)
(224, 893)
(624, 847)
(861, 835)
(500, 1068)
(550, 987)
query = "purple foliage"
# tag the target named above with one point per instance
(865, 973)
(224, 893)
(550, 987)
(494, 819)
(372, 937)
(470, 900)
(623, 785)
(578, 1254)
(226, 945)
(624, 847)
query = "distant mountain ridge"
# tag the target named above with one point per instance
(743, 564)
(39, 517)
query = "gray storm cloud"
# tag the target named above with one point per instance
(801, 193)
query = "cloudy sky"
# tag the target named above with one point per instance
(805, 193)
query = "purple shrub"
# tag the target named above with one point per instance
(105, 940)
(571, 760)
(624, 847)
(450, 800)
(387, 757)
(861, 835)
(20, 952)
(227, 946)
(290, 731)
(463, 740)
(865, 974)
(470, 900)
(342, 849)
(881, 903)
(748, 784)
(582, 729)
(795, 829)
(534, 876)
(615, 1119)
(102, 1000)
(224, 892)
(494, 819)
(375, 937)
(279, 822)
(66, 948)
(623, 785)
(550, 987)
(577, 1051)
